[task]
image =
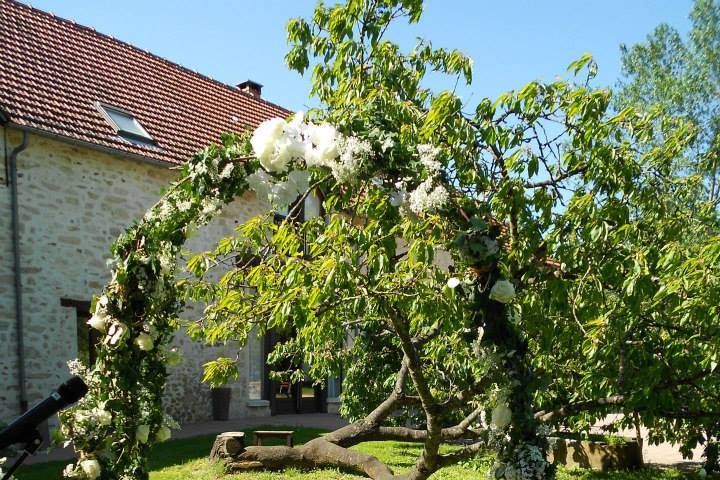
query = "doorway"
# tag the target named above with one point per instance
(287, 397)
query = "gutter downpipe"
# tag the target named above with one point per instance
(12, 161)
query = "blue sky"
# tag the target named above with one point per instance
(510, 41)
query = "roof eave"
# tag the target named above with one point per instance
(93, 146)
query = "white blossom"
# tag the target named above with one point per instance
(322, 147)
(167, 262)
(117, 332)
(165, 210)
(69, 470)
(184, 205)
(503, 291)
(261, 183)
(163, 434)
(352, 155)
(425, 198)
(453, 282)
(428, 157)
(227, 170)
(102, 416)
(298, 181)
(76, 367)
(296, 131)
(99, 320)
(142, 433)
(277, 142)
(91, 468)
(283, 194)
(210, 206)
(263, 142)
(144, 342)
(387, 144)
(501, 416)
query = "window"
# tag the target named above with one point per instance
(256, 362)
(334, 386)
(125, 124)
(87, 338)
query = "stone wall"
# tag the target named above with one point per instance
(74, 201)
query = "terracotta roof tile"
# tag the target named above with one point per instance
(53, 72)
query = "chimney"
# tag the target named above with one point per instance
(253, 88)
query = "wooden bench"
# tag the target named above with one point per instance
(286, 434)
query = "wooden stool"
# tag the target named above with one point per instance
(286, 434)
(228, 444)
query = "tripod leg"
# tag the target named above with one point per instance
(33, 444)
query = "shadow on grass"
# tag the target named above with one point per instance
(173, 452)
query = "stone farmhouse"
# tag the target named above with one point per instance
(90, 130)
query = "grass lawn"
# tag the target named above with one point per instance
(186, 459)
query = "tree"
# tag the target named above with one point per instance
(681, 76)
(563, 222)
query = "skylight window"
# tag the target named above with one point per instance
(125, 124)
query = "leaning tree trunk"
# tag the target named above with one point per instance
(333, 450)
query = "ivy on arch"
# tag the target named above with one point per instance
(114, 426)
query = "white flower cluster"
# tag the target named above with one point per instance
(96, 416)
(430, 195)
(426, 198)
(279, 193)
(428, 157)
(100, 319)
(76, 367)
(276, 143)
(88, 469)
(353, 153)
(3, 460)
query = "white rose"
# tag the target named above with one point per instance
(503, 291)
(453, 282)
(324, 148)
(264, 138)
(261, 183)
(501, 416)
(299, 180)
(91, 468)
(117, 332)
(99, 320)
(142, 433)
(103, 417)
(69, 470)
(163, 434)
(144, 342)
(284, 194)
(284, 148)
(227, 171)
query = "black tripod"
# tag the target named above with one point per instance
(32, 441)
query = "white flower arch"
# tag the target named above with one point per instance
(114, 426)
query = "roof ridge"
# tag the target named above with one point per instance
(93, 31)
